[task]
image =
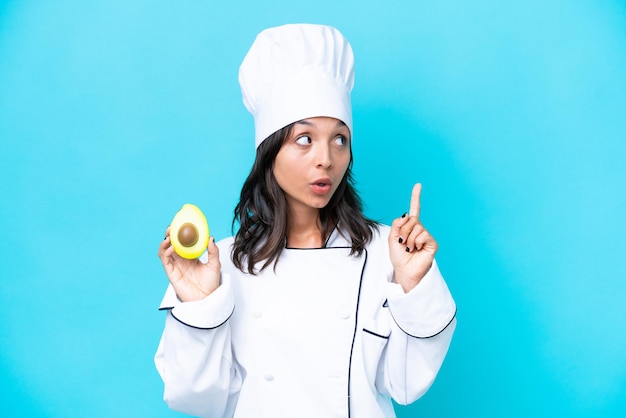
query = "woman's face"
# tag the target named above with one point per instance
(312, 162)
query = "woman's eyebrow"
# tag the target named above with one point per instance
(306, 122)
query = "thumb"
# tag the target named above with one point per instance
(211, 254)
(212, 250)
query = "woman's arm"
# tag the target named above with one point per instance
(422, 323)
(195, 358)
(421, 307)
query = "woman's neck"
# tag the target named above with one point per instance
(304, 229)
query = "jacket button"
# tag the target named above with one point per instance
(269, 377)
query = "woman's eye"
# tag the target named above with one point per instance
(340, 140)
(303, 140)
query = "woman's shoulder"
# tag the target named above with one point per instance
(381, 229)
(225, 245)
(225, 242)
(380, 232)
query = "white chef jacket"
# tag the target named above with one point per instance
(324, 334)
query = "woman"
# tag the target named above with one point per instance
(311, 310)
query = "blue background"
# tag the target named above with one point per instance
(512, 114)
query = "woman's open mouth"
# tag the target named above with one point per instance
(321, 186)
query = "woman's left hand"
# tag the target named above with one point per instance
(411, 247)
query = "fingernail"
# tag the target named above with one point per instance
(404, 215)
(400, 240)
(407, 249)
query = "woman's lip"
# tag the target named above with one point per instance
(324, 180)
(321, 188)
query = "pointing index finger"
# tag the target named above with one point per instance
(414, 209)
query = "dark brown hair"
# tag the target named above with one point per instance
(262, 211)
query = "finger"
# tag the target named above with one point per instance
(395, 235)
(167, 259)
(407, 229)
(167, 253)
(164, 245)
(414, 233)
(430, 245)
(421, 240)
(414, 209)
(169, 250)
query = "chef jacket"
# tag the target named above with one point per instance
(320, 334)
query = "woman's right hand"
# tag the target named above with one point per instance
(191, 279)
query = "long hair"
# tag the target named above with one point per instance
(262, 211)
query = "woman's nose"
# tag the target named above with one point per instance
(323, 156)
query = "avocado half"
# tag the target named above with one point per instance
(189, 232)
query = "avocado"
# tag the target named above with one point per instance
(189, 232)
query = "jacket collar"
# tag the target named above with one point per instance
(336, 239)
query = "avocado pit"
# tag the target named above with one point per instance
(188, 234)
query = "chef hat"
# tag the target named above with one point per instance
(294, 72)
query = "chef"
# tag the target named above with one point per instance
(311, 309)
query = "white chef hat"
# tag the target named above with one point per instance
(294, 72)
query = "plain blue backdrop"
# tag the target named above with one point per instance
(512, 114)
